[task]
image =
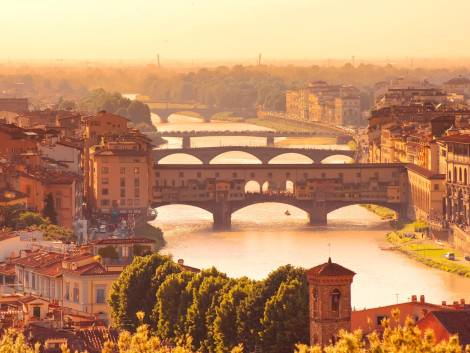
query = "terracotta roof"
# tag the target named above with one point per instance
(53, 270)
(91, 269)
(455, 322)
(330, 269)
(38, 259)
(456, 138)
(424, 172)
(7, 269)
(115, 241)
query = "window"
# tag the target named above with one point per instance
(105, 181)
(67, 291)
(181, 174)
(136, 192)
(28, 190)
(37, 312)
(380, 318)
(136, 182)
(104, 191)
(104, 202)
(358, 174)
(100, 296)
(123, 192)
(136, 202)
(234, 175)
(105, 170)
(58, 202)
(130, 202)
(436, 187)
(122, 202)
(122, 170)
(75, 294)
(33, 280)
(136, 170)
(335, 300)
(122, 182)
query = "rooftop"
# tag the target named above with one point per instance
(117, 241)
(330, 269)
(456, 138)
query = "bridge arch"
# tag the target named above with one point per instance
(334, 158)
(175, 158)
(252, 186)
(279, 211)
(287, 157)
(188, 206)
(396, 208)
(246, 158)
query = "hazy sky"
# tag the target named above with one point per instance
(221, 29)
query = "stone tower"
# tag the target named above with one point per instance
(329, 301)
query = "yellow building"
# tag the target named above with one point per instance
(87, 284)
(121, 170)
(427, 193)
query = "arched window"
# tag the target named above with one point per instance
(460, 174)
(335, 299)
(465, 176)
(455, 174)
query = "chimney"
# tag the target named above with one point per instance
(444, 303)
(421, 299)
(180, 262)
(456, 302)
(462, 301)
(414, 298)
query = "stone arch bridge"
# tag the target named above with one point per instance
(316, 189)
(264, 154)
(204, 113)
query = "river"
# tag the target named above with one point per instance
(263, 237)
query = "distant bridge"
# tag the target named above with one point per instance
(317, 189)
(263, 154)
(205, 113)
(270, 135)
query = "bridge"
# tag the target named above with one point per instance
(205, 113)
(264, 154)
(316, 189)
(270, 135)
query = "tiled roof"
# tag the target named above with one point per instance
(38, 259)
(455, 322)
(330, 269)
(458, 81)
(457, 138)
(92, 269)
(7, 269)
(424, 172)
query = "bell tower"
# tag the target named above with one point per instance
(329, 301)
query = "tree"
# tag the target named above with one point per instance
(9, 215)
(28, 219)
(285, 321)
(49, 209)
(134, 291)
(138, 112)
(12, 341)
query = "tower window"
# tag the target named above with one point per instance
(335, 299)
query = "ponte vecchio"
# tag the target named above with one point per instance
(317, 189)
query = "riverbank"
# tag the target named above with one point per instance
(413, 243)
(148, 231)
(382, 212)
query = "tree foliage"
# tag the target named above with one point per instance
(210, 312)
(49, 209)
(136, 111)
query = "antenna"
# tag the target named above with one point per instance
(259, 59)
(396, 295)
(158, 60)
(329, 249)
(353, 59)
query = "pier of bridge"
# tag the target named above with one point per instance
(264, 154)
(317, 189)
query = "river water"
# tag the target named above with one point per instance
(263, 237)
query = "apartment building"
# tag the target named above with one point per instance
(322, 102)
(121, 171)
